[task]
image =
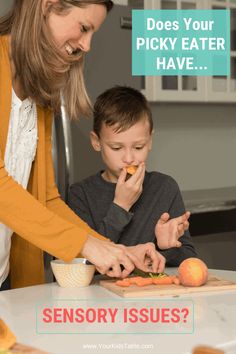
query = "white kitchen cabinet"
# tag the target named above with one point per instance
(194, 88)
(223, 88)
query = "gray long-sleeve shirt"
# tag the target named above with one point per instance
(92, 200)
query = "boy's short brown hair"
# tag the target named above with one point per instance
(122, 106)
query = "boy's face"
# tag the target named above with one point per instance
(121, 149)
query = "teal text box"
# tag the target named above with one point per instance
(129, 316)
(181, 42)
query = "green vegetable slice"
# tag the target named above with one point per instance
(148, 274)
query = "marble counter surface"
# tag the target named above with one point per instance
(199, 201)
(214, 322)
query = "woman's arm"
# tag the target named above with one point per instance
(20, 211)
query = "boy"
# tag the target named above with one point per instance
(147, 206)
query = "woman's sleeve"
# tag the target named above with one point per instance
(54, 229)
(26, 216)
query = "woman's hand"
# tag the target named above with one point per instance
(168, 231)
(128, 192)
(108, 257)
(146, 258)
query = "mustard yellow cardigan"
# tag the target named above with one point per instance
(41, 219)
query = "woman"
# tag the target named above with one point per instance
(42, 45)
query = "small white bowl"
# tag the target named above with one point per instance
(74, 274)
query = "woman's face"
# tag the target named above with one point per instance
(72, 31)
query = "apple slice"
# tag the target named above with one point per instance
(7, 338)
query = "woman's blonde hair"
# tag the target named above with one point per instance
(43, 71)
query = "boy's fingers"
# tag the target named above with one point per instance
(183, 227)
(186, 225)
(122, 176)
(187, 215)
(138, 174)
(164, 218)
(181, 219)
(180, 230)
(178, 244)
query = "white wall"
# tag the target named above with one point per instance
(196, 144)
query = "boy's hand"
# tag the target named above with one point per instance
(148, 259)
(128, 192)
(168, 231)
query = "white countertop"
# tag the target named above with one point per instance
(214, 322)
(205, 200)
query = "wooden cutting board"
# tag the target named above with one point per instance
(213, 284)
